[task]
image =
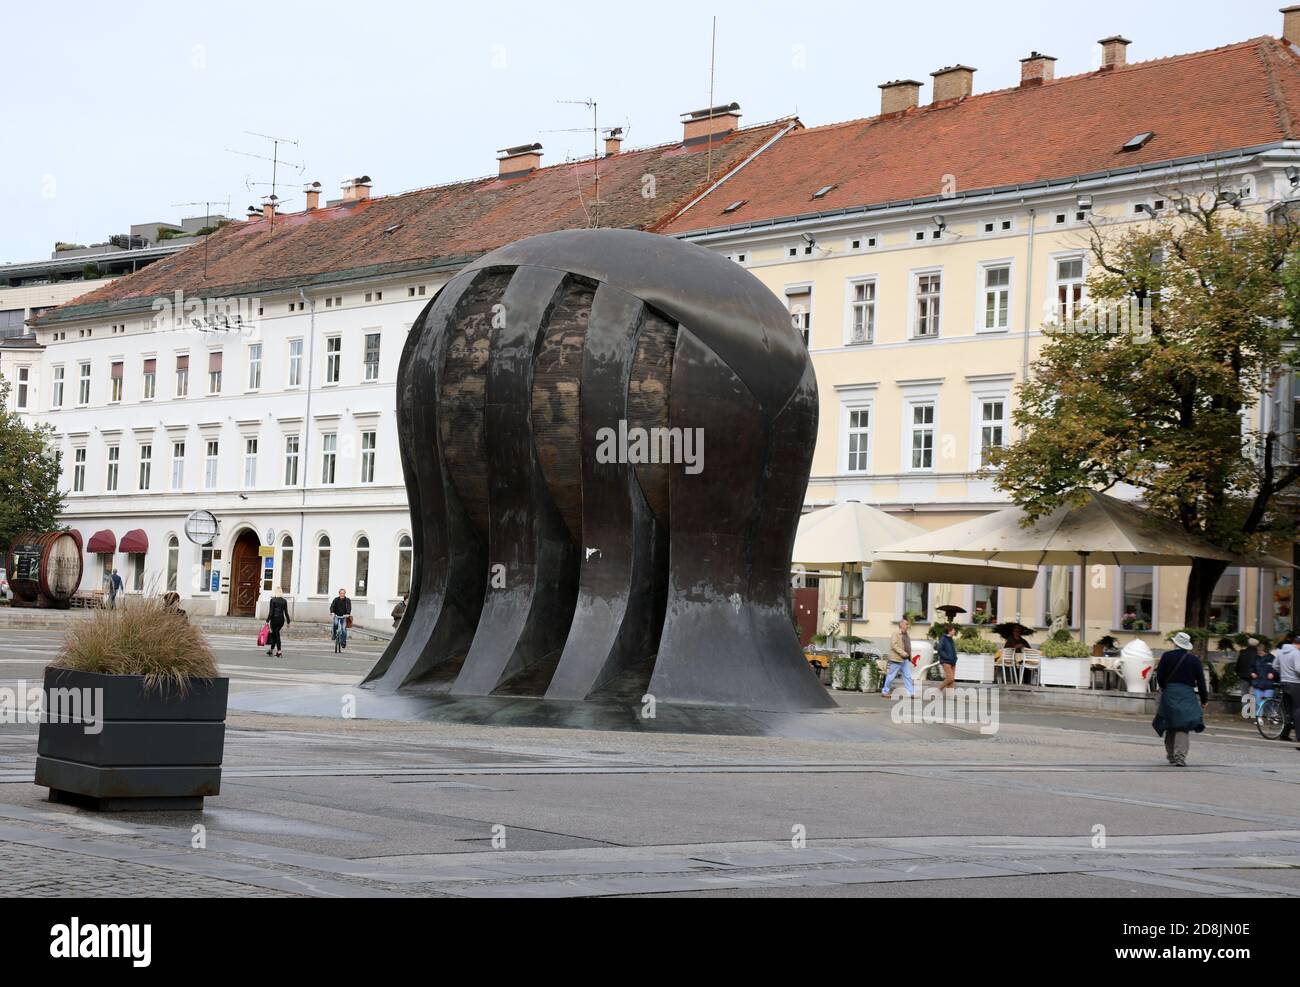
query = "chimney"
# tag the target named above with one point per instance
(253, 213)
(357, 189)
(899, 95)
(716, 121)
(1037, 69)
(953, 82)
(613, 141)
(1291, 24)
(313, 195)
(515, 161)
(269, 206)
(1114, 51)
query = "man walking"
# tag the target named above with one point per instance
(1288, 668)
(114, 586)
(1182, 682)
(900, 658)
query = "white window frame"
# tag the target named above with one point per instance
(1055, 283)
(914, 394)
(850, 308)
(292, 459)
(329, 452)
(112, 466)
(796, 290)
(293, 369)
(57, 381)
(981, 295)
(23, 387)
(859, 398)
(250, 462)
(368, 454)
(1117, 599)
(211, 463)
(182, 384)
(79, 469)
(178, 465)
(913, 301)
(148, 382)
(83, 383)
(997, 223)
(1043, 595)
(254, 360)
(997, 387)
(333, 359)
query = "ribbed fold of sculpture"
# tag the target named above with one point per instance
(606, 437)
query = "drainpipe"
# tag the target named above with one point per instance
(306, 440)
(1024, 351)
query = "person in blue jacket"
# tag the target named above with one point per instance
(947, 650)
(1182, 683)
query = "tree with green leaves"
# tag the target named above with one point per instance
(30, 499)
(1165, 404)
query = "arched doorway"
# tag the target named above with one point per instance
(245, 573)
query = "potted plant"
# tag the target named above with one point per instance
(1065, 662)
(974, 656)
(134, 712)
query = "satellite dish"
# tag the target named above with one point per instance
(202, 528)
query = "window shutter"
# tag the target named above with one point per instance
(183, 362)
(214, 362)
(115, 371)
(151, 366)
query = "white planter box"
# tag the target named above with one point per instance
(1074, 672)
(974, 668)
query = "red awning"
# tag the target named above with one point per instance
(102, 541)
(134, 542)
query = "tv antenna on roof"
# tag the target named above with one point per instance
(595, 152)
(207, 221)
(275, 162)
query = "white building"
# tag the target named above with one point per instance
(271, 403)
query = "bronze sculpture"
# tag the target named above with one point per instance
(606, 437)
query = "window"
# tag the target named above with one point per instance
(1225, 603)
(323, 565)
(799, 302)
(250, 463)
(295, 362)
(372, 356)
(210, 465)
(984, 604)
(146, 466)
(83, 385)
(997, 296)
(363, 567)
(993, 424)
(333, 358)
(1049, 574)
(404, 559)
(859, 439)
(79, 469)
(291, 460)
(850, 602)
(286, 564)
(254, 366)
(214, 372)
(115, 381)
(110, 475)
(210, 570)
(367, 457)
(182, 375)
(916, 601)
(173, 562)
(922, 429)
(148, 378)
(137, 571)
(928, 289)
(24, 380)
(863, 328)
(178, 465)
(1069, 287)
(1137, 598)
(56, 395)
(328, 455)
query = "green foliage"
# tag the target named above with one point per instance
(30, 499)
(1197, 634)
(1066, 649)
(1108, 641)
(1161, 409)
(1059, 635)
(968, 631)
(914, 616)
(976, 645)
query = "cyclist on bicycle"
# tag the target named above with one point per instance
(341, 610)
(1256, 671)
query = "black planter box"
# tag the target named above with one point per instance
(153, 750)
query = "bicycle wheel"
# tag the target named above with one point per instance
(1270, 720)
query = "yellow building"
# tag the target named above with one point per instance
(921, 250)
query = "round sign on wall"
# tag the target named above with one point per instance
(201, 527)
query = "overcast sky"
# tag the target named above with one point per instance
(112, 113)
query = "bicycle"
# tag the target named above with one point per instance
(340, 633)
(1272, 718)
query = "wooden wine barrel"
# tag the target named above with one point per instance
(44, 568)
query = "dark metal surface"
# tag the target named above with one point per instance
(579, 578)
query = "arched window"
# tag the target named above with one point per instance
(173, 562)
(286, 564)
(323, 565)
(363, 567)
(404, 565)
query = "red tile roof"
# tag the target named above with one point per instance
(429, 227)
(1238, 96)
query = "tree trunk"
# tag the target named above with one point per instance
(1200, 589)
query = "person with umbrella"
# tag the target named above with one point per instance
(1182, 680)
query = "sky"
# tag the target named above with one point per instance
(120, 114)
